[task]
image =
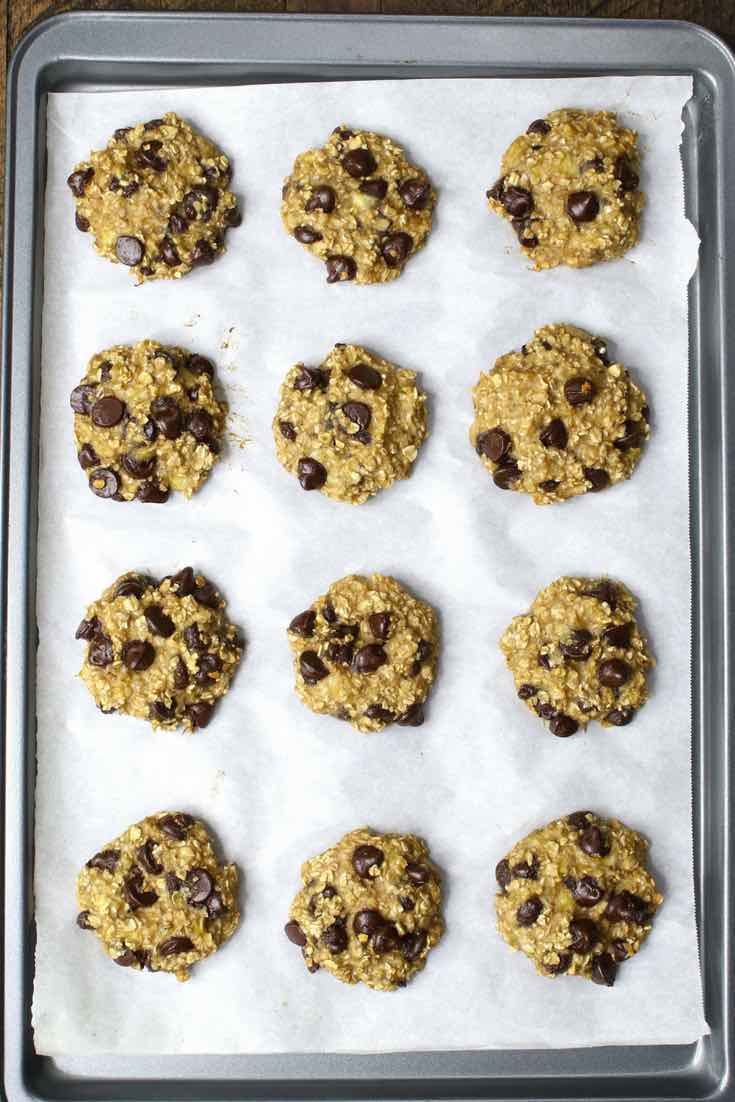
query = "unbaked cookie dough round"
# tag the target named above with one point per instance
(558, 418)
(578, 655)
(366, 652)
(156, 199)
(576, 898)
(358, 205)
(157, 897)
(351, 426)
(569, 187)
(146, 422)
(162, 651)
(370, 909)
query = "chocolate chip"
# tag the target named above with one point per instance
(128, 190)
(340, 268)
(503, 875)
(365, 376)
(493, 444)
(379, 624)
(121, 133)
(625, 173)
(619, 950)
(554, 435)
(340, 653)
(526, 870)
(204, 252)
(158, 622)
(582, 206)
(169, 252)
(311, 667)
(138, 654)
(328, 613)
(148, 155)
(602, 590)
(496, 191)
(632, 437)
(359, 162)
(135, 893)
(87, 629)
(304, 623)
(560, 966)
(334, 938)
(598, 478)
(375, 188)
(287, 430)
(200, 425)
(579, 390)
(613, 672)
(395, 248)
(626, 907)
(600, 347)
(129, 250)
(594, 842)
(130, 957)
(172, 946)
(417, 873)
(108, 411)
(548, 486)
(517, 201)
(370, 658)
(151, 493)
(365, 858)
(596, 164)
(306, 235)
(413, 945)
(153, 124)
(526, 691)
(105, 861)
(618, 635)
(81, 398)
(294, 933)
(133, 585)
(358, 413)
(100, 653)
(603, 970)
(506, 475)
(200, 886)
(83, 921)
(162, 712)
(183, 582)
(167, 417)
(176, 826)
(181, 674)
(204, 593)
(78, 181)
(380, 714)
(586, 891)
(620, 717)
(577, 646)
(544, 661)
(138, 468)
(322, 198)
(311, 474)
(148, 859)
(545, 710)
(81, 222)
(563, 726)
(386, 939)
(527, 238)
(204, 196)
(367, 922)
(150, 431)
(415, 192)
(584, 935)
(579, 819)
(199, 713)
(529, 911)
(311, 378)
(193, 639)
(539, 126)
(413, 716)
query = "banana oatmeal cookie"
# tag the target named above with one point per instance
(576, 898)
(157, 897)
(558, 418)
(358, 205)
(366, 652)
(578, 655)
(370, 909)
(162, 651)
(569, 187)
(156, 199)
(350, 427)
(146, 421)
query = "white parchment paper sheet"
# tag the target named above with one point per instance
(275, 782)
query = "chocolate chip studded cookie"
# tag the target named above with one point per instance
(558, 418)
(162, 651)
(569, 188)
(358, 205)
(146, 422)
(156, 199)
(578, 655)
(351, 426)
(576, 898)
(366, 652)
(370, 909)
(157, 897)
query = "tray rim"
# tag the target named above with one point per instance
(708, 1072)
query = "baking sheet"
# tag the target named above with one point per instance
(276, 783)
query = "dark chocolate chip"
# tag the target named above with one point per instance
(148, 859)
(380, 714)
(626, 907)
(386, 939)
(539, 126)
(311, 378)
(304, 623)
(176, 826)
(328, 613)
(594, 842)
(526, 691)
(199, 713)
(294, 933)
(307, 235)
(613, 672)
(78, 181)
(603, 970)
(138, 468)
(632, 437)
(169, 252)
(204, 252)
(548, 486)
(81, 222)
(134, 892)
(585, 935)
(618, 635)
(128, 190)
(130, 957)
(340, 269)
(151, 493)
(526, 870)
(577, 646)
(370, 658)
(322, 198)
(334, 938)
(311, 474)
(493, 444)
(359, 162)
(560, 966)
(579, 390)
(129, 250)
(81, 398)
(619, 950)
(620, 717)
(158, 622)
(395, 248)
(167, 417)
(138, 654)
(133, 585)
(105, 861)
(200, 425)
(287, 430)
(417, 873)
(200, 886)
(596, 164)
(415, 192)
(506, 475)
(311, 667)
(358, 413)
(148, 155)
(626, 174)
(554, 435)
(107, 411)
(375, 188)
(413, 945)
(586, 891)
(365, 376)
(503, 875)
(87, 629)
(162, 712)
(379, 624)
(598, 478)
(563, 726)
(517, 201)
(413, 716)
(365, 858)
(181, 674)
(582, 206)
(367, 922)
(579, 819)
(529, 911)
(100, 653)
(83, 921)
(172, 946)
(205, 594)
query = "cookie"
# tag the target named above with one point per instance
(358, 205)
(157, 897)
(162, 651)
(569, 188)
(351, 426)
(558, 418)
(156, 199)
(578, 655)
(370, 909)
(576, 898)
(366, 652)
(146, 422)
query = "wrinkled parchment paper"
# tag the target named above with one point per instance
(276, 783)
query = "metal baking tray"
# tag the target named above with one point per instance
(98, 50)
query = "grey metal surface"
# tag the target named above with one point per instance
(97, 50)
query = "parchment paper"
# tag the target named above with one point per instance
(276, 783)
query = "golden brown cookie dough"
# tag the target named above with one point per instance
(366, 652)
(156, 199)
(351, 426)
(370, 909)
(578, 655)
(162, 651)
(576, 898)
(358, 205)
(559, 418)
(569, 187)
(157, 897)
(146, 421)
